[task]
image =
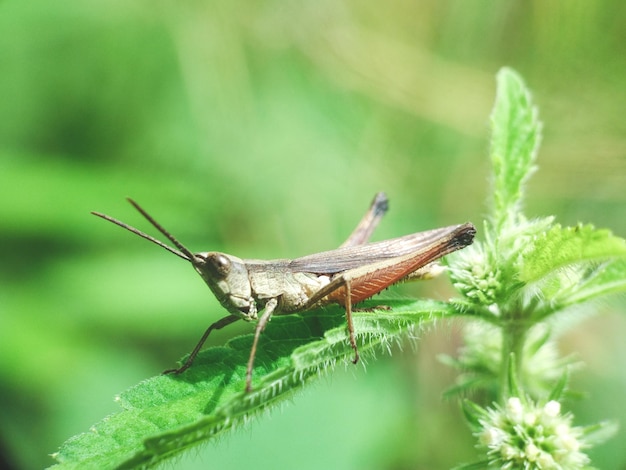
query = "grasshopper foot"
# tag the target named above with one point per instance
(178, 371)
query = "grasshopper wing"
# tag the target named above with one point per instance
(437, 243)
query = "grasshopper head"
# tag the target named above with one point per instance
(227, 276)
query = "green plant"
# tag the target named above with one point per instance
(515, 287)
(522, 283)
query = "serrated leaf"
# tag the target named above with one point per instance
(560, 247)
(515, 136)
(610, 279)
(165, 415)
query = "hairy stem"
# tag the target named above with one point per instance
(513, 339)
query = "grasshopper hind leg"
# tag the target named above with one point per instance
(350, 323)
(363, 231)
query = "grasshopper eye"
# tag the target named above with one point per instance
(218, 264)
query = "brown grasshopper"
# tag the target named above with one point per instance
(254, 290)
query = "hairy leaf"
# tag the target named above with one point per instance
(165, 415)
(516, 131)
(609, 278)
(560, 247)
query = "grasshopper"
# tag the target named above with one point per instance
(254, 290)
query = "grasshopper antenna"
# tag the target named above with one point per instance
(182, 251)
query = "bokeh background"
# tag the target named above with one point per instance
(263, 129)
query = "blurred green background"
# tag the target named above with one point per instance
(263, 129)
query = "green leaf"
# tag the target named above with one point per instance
(609, 279)
(482, 465)
(599, 433)
(165, 415)
(473, 413)
(558, 391)
(466, 384)
(560, 247)
(513, 386)
(516, 132)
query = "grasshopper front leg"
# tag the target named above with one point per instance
(218, 325)
(270, 306)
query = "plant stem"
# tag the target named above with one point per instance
(513, 339)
